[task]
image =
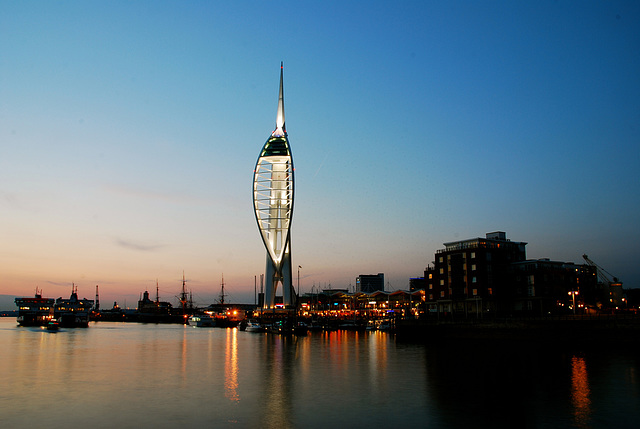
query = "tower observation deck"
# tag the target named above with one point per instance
(273, 186)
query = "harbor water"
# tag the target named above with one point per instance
(129, 375)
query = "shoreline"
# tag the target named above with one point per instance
(597, 332)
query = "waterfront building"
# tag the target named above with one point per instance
(273, 192)
(474, 275)
(370, 283)
(543, 286)
(492, 275)
(431, 281)
(340, 303)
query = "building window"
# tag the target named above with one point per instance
(430, 286)
(441, 282)
(473, 267)
(441, 294)
(440, 259)
(430, 276)
(441, 270)
(475, 292)
(431, 296)
(473, 255)
(474, 280)
(490, 291)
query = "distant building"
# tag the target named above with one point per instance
(146, 305)
(370, 283)
(417, 283)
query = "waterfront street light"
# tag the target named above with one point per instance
(573, 294)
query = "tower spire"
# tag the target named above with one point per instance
(280, 130)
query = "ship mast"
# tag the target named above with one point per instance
(183, 295)
(222, 293)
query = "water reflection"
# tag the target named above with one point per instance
(171, 376)
(231, 366)
(580, 391)
(183, 357)
(278, 364)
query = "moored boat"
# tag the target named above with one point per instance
(34, 311)
(73, 312)
(254, 326)
(201, 321)
(53, 325)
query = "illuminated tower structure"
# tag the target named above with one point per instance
(273, 206)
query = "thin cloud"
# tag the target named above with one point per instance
(142, 247)
(13, 200)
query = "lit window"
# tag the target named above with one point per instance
(441, 282)
(490, 291)
(473, 255)
(475, 292)
(441, 294)
(473, 267)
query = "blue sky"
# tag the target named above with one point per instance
(129, 132)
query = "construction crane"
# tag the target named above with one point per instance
(613, 285)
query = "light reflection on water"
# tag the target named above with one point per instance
(580, 391)
(231, 365)
(168, 376)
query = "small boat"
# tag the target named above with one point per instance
(254, 326)
(280, 327)
(53, 325)
(201, 321)
(385, 326)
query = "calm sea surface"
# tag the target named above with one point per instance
(117, 375)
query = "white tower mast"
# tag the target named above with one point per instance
(273, 186)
